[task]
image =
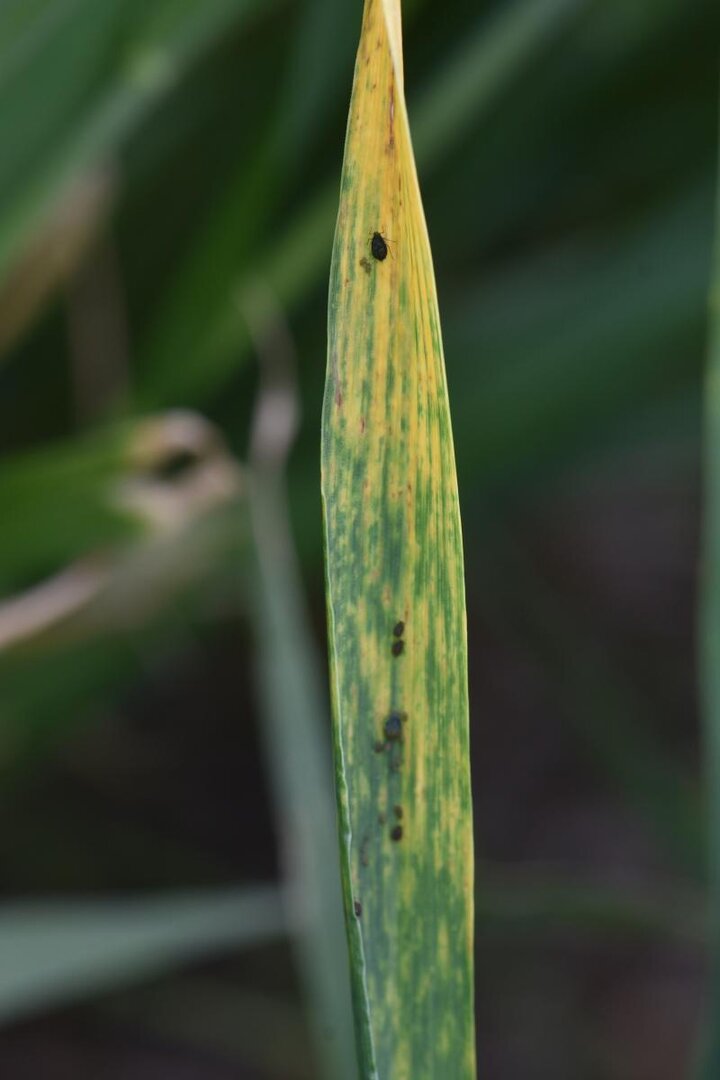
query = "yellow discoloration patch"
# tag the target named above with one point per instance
(394, 553)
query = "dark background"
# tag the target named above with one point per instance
(166, 175)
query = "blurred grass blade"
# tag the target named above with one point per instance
(710, 655)
(197, 315)
(56, 503)
(396, 603)
(468, 87)
(605, 325)
(55, 952)
(73, 498)
(161, 42)
(522, 901)
(296, 743)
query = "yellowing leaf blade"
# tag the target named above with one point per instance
(396, 602)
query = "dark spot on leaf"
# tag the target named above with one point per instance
(357, 907)
(396, 832)
(393, 726)
(398, 629)
(365, 263)
(397, 647)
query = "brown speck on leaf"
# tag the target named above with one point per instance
(397, 647)
(398, 629)
(391, 119)
(398, 811)
(362, 425)
(365, 263)
(396, 832)
(338, 399)
(357, 908)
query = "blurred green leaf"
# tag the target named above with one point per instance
(102, 68)
(89, 495)
(55, 952)
(57, 503)
(527, 900)
(487, 63)
(294, 707)
(560, 345)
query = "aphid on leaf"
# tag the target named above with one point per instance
(394, 726)
(396, 832)
(397, 647)
(379, 246)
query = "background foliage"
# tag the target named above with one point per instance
(168, 184)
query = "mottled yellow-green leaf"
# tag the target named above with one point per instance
(396, 604)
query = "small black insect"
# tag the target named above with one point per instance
(397, 647)
(357, 907)
(379, 246)
(398, 629)
(394, 726)
(396, 832)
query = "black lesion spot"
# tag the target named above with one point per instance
(396, 832)
(398, 648)
(398, 629)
